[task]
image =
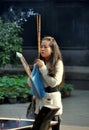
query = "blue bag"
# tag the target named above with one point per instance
(38, 88)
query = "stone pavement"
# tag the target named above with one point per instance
(75, 116)
(76, 111)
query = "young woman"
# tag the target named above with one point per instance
(51, 68)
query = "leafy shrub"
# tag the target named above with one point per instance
(10, 42)
(66, 89)
(14, 86)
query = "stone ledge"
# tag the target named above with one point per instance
(76, 75)
(78, 69)
(77, 72)
(12, 70)
(71, 72)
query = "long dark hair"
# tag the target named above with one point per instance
(55, 56)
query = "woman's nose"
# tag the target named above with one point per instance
(42, 48)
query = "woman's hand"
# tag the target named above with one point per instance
(40, 63)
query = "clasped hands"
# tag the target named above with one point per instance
(40, 63)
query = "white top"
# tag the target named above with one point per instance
(53, 98)
(52, 81)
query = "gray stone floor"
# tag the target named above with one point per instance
(76, 111)
(75, 116)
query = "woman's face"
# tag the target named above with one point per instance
(45, 49)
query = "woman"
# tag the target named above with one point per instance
(51, 68)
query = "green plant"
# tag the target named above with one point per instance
(11, 93)
(2, 90)
(2, 93)
(10, 42)
(14, 86)
(66, 89)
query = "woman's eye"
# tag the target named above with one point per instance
(44, 46)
